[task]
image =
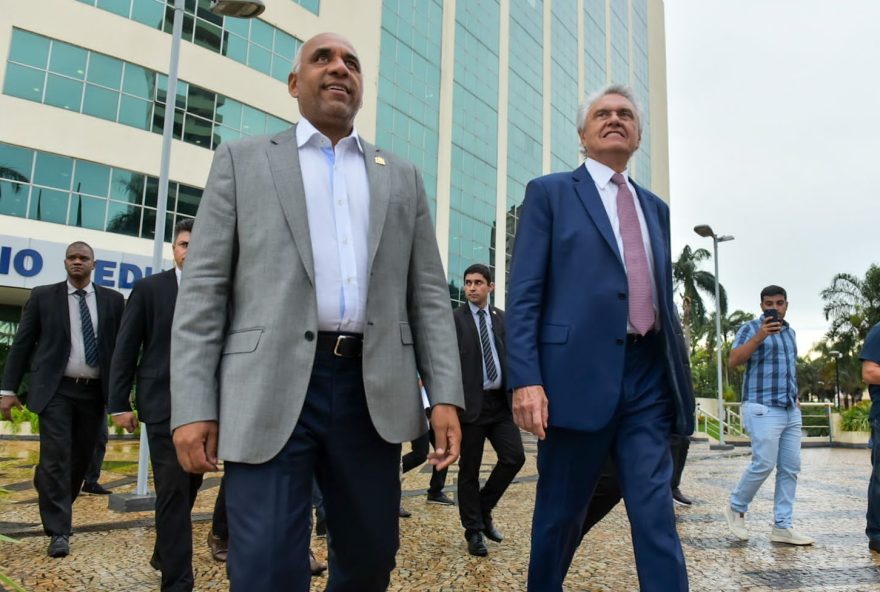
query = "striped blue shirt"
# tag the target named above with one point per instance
(771, 377)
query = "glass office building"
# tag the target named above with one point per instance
(480, 94)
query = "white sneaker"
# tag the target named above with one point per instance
(736, 522)
(789, 536)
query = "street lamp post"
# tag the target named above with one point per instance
(836, 355)
(706, 232)
(142, 499)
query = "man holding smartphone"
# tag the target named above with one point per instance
(771, 414)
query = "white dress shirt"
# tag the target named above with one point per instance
(601, 175)
(338, 203)
(76, 363)
(488, 385)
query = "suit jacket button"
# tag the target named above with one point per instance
(621, 295)
(309, 336)
(619, 341)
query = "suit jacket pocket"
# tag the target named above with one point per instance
(242, 341)
(406, 336)
(554, 333)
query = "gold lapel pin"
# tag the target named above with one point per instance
(379, 160)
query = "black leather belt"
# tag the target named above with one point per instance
(633, 338)
(81, 381)
(343, 345)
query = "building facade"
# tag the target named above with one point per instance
(480, 94)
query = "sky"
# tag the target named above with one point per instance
(774, 138)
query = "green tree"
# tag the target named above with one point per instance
(852, 305)
(691, 281)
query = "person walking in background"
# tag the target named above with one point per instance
(870, 357)
(487, 414)
(66, 337)
(771, 414)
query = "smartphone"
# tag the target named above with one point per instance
(772, 314)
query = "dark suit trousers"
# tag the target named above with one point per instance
(678, 446)
(417, 457)
(569, 464)
(268, 504)
(68, 431)
(94, 471)
(219, 523)
(495, 424)
(175, 495)
(608, 494)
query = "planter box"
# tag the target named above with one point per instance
(24, 430)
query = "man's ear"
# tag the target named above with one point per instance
(291, 85)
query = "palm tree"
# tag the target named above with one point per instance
(691, 281)
(852, 305)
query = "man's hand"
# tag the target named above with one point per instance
(126, 420)
(530, 409)
(7, 402)
(768, 327)
(196, 445)
(447, 436)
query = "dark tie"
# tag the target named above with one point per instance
(90, 344)
(638, 277)
(488, 360)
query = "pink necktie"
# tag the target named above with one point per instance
(638, 277)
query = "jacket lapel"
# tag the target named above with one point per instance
(586, 190)
(377, 176)
(287, 176)
(64, 309)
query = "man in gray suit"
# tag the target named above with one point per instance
(314, 295)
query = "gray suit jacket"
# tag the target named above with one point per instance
(243, 342)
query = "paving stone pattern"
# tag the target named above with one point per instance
(110, 550)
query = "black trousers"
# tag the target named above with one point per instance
(175, 495)
(417, 457)
(93, 474)
(219, 524)
(69, 427)
(496, 425)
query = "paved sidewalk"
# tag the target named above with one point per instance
(110, 550)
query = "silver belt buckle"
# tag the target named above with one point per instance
(339, 340)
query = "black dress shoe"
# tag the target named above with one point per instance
(95, 489)
(476, 545)
(492, 533)
(404, 513)
(440, 498)
(681, 499)
(219, 547)
(59, 546)
(874, 545)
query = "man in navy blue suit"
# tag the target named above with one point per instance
(594, 350)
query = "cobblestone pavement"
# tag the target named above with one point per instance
(110, 550)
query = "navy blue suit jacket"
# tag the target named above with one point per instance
(567, 303)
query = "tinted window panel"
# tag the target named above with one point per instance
(29, 49)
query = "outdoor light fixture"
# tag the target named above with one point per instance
(239, 8)
(705, 231)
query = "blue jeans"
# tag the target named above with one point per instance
(873, 529)
(776, 443)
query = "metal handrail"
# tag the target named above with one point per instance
(733, 418)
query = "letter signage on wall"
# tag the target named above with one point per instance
(25, 263)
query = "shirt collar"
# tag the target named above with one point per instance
(178, 273)
(306, 132)
(475, 309)
(601, 173)
(71, 289)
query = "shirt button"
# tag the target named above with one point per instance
(309, 336)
